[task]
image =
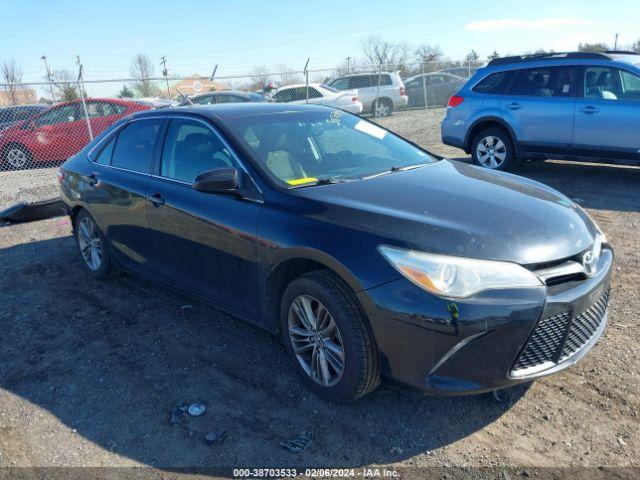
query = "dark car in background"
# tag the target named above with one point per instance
(438, 88)
(60, 131)
(369, 256)
(16, 114)
(224, 96)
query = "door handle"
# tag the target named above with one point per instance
(590, 109)
(514, 106)
(157, 199)
(92, 180)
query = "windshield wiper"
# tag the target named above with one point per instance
(395, 168)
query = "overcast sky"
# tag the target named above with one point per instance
(195, 35)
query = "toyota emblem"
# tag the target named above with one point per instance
(589, 263)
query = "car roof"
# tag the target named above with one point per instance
(564, 58)
(222, 110)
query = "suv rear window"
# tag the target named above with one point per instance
(545, 82)
(495, 83)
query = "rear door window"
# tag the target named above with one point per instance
(135, 144)
(545, 82)
(496, 83)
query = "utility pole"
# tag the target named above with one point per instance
(615, 43)
(49, 76)
(84, 104)
(348, 59)
(165, 74)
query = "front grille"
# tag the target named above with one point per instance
(559, 337)
(584, 326)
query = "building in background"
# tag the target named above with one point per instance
(194, 85)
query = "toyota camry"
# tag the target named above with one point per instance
(369, 256)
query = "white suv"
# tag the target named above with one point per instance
(387, 87)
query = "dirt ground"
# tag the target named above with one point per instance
(90, 371)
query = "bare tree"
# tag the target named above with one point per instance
(427, 53)
(286, 77)
(142, 70)
(636, 46)
(382, 52)
(12, 75)
(66, 86)
(493, 56)
(592, 47)
(260, 77)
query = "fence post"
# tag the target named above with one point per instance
(84, 104)
(375, 110)
(424, 87)
(306, 79)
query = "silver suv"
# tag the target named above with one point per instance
(380, 93)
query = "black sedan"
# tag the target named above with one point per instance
(369, 256)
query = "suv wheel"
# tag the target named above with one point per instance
(492, 149)
(328, 337)
(382, 108)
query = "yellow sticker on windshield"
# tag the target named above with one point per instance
(300, 181)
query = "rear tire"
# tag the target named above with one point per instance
(339, 366)
(492, 149)
(92, 246)
(382, 108)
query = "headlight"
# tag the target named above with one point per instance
(457, 276)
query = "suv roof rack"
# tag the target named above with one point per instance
(558, 56)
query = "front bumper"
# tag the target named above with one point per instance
(472, 345)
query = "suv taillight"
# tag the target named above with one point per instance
(454, 101)
(403, 92)
(354, 99)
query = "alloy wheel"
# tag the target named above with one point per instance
(90, 243)
(16, 157)
(382, 109)
(316, 340)
(491, 152)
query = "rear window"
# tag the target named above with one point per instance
(495, 83)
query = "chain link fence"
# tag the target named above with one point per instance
(44, 123)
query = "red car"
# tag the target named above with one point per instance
(60, 131)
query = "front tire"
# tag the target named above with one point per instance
(92, 245)
(16, 157)
(492, 149)
(328, 337)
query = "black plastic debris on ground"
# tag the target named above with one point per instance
(29, 212)
(298, 444)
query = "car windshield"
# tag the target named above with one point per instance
(306, 148)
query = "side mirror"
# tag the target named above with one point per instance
(220, 180)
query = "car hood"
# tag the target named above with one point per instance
(453, 208)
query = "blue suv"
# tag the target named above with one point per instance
(563, 105)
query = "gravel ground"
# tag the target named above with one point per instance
(91, 370)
